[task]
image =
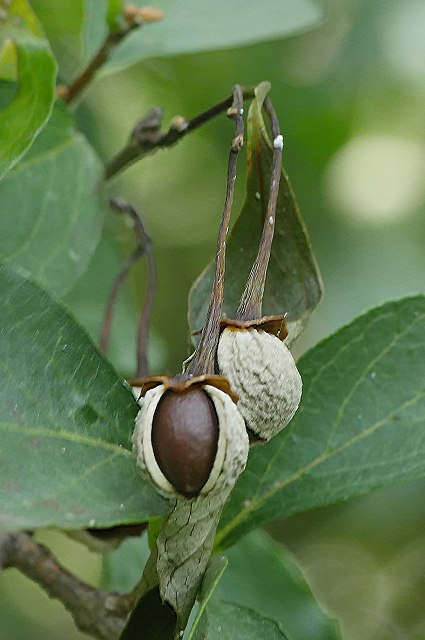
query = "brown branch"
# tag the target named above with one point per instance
(101, 614)
(141, 143)
(144, 248)
(204, 358)
(132, 18)
(113, 296)
(72, 91)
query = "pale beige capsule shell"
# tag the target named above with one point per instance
(232, 447)
(262, 372)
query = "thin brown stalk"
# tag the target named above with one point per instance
(132, 18)
(250, 306)
(144, 248)
(72, 91)
(204, 358)
(113, 297)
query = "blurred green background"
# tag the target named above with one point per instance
(350, 95)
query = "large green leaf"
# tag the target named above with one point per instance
(361, 423)
(229, 621)
(113, 14)
(75, 32)
(215, 569)
(66, 420)
(94, 27)
(293, 283)
(51, 216)
(190, 26)
(123, 567)
(225, 619)
(26, 114)
(263, 575)
(64, 30)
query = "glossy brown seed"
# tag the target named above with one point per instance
(184, 438)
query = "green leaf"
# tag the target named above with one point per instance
(229, 621)
(24, 117)
(66, 420)
(215, 569)
(75, 32)
(95, 27)
(52, 210)
(123, 568)
(7, 92)
(263, 575)
(360, 424)
(114, 13)
(64, 31)
(293, 283)
(190, 26)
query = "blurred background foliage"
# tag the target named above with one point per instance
(350, 95)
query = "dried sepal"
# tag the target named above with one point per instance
(262, 371)
(183, 381)
(275, 325)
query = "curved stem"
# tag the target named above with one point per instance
(204, 358)
(250, 305)
(144, 248)
(113, 297)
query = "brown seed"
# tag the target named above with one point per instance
(184, 438)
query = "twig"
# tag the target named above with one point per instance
(72, 91)
(101, 614)
(132, 18)
(140, 144)
(204, 358)
(113, 296)
(144, 248)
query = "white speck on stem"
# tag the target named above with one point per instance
(271, 220)
(257, 195)
(278, 142)
(241, 112)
